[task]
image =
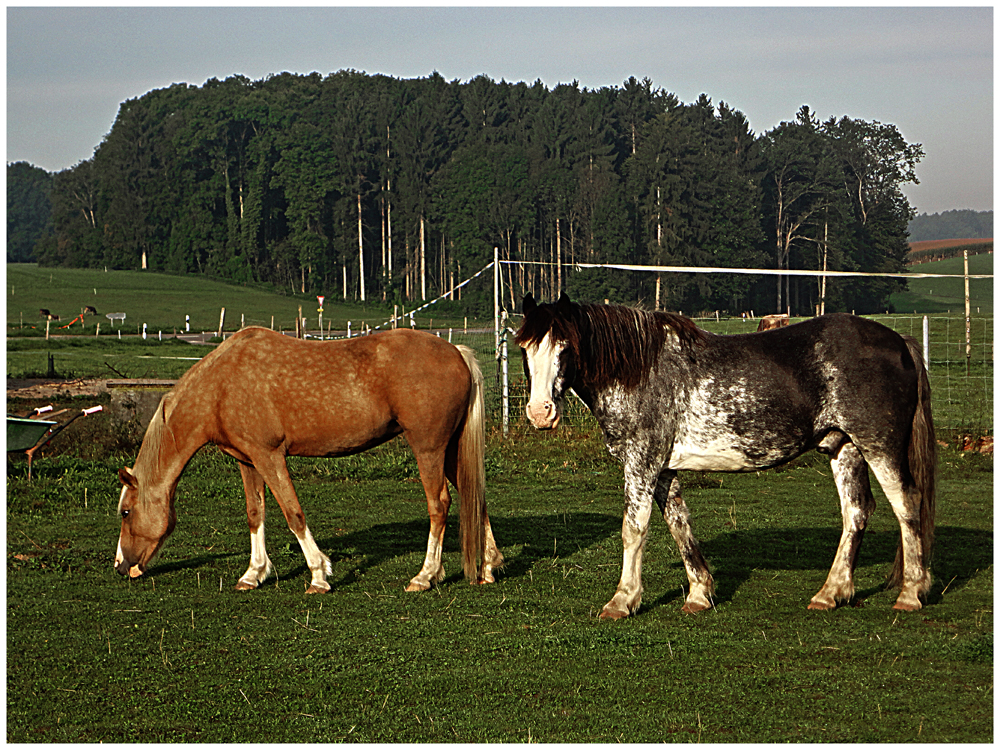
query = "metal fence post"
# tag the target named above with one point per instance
(927, 345)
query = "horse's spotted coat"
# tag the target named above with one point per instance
(671, 397)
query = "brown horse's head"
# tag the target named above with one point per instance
(148, 517)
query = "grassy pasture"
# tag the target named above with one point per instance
(180, 656)
(162, 301)
(948, 295)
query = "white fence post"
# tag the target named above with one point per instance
(505, 393)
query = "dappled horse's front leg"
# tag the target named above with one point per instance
(438, 503)
(850, 472)
(678, 518)
(635, 526)
(260, 564)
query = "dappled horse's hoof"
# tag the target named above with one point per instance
(316, 589)
(691, 608)
(418, 585)
(907, 605)
(242, 585)
(821, 606)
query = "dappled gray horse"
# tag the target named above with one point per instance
(670, 396)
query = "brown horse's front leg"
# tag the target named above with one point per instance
(260, 564)
(275, 472)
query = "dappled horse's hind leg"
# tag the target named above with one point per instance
(260, 565)
(438, 502)
(906, 504)
(675, 513)
(275, 472)
(850, 472)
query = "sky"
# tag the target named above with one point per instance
(927, 70)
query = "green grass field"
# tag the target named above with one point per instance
(948, 295)
(162, 302)
(180, 656)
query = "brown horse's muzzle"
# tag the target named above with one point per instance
(123, 568)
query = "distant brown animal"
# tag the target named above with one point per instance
(772, 321)
(47, 315)
(88, 310)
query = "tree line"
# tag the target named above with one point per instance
(376, 188)
(962, 224)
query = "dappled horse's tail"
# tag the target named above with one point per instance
(923, 464)
(471, 475)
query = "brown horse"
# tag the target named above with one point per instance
(262, 396)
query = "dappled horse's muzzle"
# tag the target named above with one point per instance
(543, 415)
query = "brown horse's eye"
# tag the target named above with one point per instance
(125, 514)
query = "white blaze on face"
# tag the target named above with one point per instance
(119, 557)
(543, 366)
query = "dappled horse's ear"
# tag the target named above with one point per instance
(528, 304)
(127, 477)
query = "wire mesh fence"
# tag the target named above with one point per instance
(961, 372)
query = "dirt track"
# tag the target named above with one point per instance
(54, 389)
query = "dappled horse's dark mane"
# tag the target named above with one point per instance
(609, 343)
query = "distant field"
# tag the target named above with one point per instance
(941, 244)
(948, 295)
(163, 302)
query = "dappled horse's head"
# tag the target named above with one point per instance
(549, 339)
(146, 524)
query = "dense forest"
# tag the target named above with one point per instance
(963, 224)
(376, 188)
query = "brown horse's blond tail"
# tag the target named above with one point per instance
(922, 457)
(471, 475)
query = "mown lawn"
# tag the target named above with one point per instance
(180, 656)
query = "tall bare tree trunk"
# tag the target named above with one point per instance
(361, 253)
(423, 261)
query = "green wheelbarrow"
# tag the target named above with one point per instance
(26, 434)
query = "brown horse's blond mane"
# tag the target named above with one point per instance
(151, 463)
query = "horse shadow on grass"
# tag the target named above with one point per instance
(733, 556)
(959, 553)
(533, 535)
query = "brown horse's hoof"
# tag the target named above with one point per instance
(244, 586)
(613, 613)
(906, 606)
(314, 589)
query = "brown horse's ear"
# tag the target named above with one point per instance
(127, 477)
(565, 306)
(528, 304)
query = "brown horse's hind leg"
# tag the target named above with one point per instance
(850, 472)
(675, 513)
(438, 502)
(260, 563)
(275, 472)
